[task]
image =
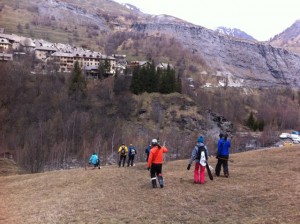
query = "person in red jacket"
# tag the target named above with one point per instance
(155, 163)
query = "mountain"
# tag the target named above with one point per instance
(289, 39)
(114, 28)
(252, 64)
(234, 32)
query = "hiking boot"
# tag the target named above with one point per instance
(161, 181)
(226, 175)
(153, 181)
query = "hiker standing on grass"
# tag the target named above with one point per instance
(94, 160)
(131, 154)
(223, 155)
(147, 151)
(155, 161)
(200, 155)
(123, 150)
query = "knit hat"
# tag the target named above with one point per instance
(200, 139)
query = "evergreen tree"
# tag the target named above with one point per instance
(251, 121)
(151, 79)
(136, 83)
(77, 86)
(104, 69)
(167, 81)
(101, 70)
(148, 79)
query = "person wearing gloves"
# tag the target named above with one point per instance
(155, 163)
(200, 155)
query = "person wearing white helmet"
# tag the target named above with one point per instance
(155, 162)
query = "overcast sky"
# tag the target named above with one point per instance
(262, 19)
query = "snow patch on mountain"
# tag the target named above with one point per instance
(234, 32)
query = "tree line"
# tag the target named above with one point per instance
(149, 79)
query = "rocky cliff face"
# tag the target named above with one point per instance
(289, 39)
(256, 64)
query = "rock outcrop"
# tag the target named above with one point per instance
(258, 63)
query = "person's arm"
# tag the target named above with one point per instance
(194, 155)
(150, 159)
(219, 148)
(164, 149)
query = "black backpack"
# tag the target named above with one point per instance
(123, 151)
(201, 149)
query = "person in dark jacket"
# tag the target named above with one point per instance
(94, 160)
(200, 158)
(131, 154)
(147, 151)
(223, 155)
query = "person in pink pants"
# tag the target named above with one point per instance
(199, 154)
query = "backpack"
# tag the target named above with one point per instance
(132, 152)
(201, 149)
(123, 151)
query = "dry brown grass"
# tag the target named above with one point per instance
(263, 187)
(9, 167)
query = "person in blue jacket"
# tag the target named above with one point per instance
(131, 154)
(223, 155)
(147, 151)
(94, 160)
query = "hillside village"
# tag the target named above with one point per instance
(64, 56)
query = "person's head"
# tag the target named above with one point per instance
(200, 139)
(130, 144)
(225, 136)
(154, 142)
(221, 135)
(94, 153)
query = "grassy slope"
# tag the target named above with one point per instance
(9, 167)
(263, 188)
